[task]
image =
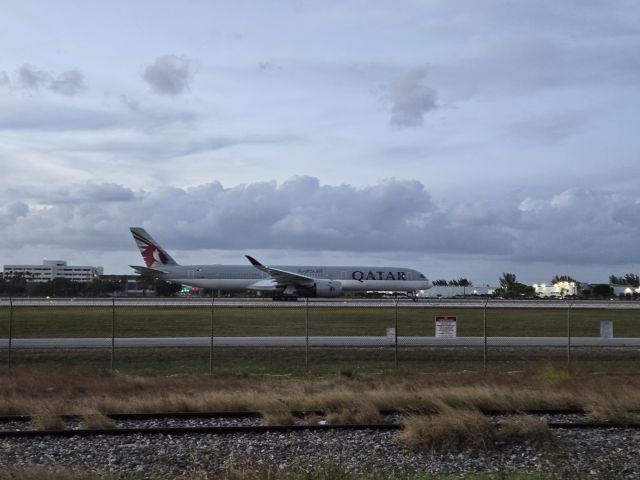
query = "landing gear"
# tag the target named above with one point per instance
(285, 298)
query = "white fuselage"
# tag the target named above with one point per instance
(246, 277)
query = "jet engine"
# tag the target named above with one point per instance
(327, 288)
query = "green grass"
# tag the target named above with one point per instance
(344, 361)
(145, 321)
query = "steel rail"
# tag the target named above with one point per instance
(217, 430)
(295, 413)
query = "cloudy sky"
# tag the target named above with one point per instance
(464, 138)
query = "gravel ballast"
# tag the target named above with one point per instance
(589, 452)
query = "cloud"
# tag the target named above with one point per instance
(68, 83)
(169, 75)
(410, 99)
(9, 214)
(30, 77)
(268, 66)
(87, 193)
(578, 225)
(552, 129)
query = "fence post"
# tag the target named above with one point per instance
(113, 331)
(395, 332)
(211, 342)
(484, 335)
(306, 334)
(569, 305)
(10, 329)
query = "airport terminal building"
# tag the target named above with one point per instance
(50, 269)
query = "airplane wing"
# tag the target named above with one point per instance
(283, 277)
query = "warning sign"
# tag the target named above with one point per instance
(446, 327)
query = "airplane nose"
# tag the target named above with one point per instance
(427, 285)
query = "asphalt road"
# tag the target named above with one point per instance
(324, 341)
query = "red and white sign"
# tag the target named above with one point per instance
(446, 327)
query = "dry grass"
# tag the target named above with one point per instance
(48, 473)
(355, 400)
(47, 419)
(281, 417)
(451, 430)
(524, 429)
(357, 412)
(455, 430)
(97, 421)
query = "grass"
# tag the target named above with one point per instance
(354, 399)
(451, 430)
(97, 420)
(148, 321)
(44, 417)
(278, 417)
(523, 429)
(255, 472)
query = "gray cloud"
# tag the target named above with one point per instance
(67, 83)
(4, 79)
(552, 129)
(578, 225)
(409, 98)
(87, 193)
(11, 213)
(169, 75)
(30, 77)
(268, 66)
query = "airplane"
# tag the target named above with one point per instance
(282, 282)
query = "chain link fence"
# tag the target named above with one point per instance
(242, 336)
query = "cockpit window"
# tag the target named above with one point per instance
(422, 276)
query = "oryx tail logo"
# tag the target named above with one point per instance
(152, 253)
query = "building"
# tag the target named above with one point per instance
(557, 290)
(451, 291)
(625, 290)
(51, 269)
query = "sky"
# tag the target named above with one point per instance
(463, 138)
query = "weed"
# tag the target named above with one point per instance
(551, 376)
(97, 421)
(280, 417)
(451, 430)
(524, 429)
(47, 419)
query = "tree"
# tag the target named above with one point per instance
(601, 290)
(13, 285)
(510, 287)
(630, 279)
(146, 282)
(508, 280)
(562, 278)
(167, 289)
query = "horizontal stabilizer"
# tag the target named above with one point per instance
(147, 271)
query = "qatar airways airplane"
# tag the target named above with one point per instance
(281, 282)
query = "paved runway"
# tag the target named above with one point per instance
(317, 302)
(324, 341)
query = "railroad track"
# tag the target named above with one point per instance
(22, 423)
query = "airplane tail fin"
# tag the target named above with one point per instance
(153, 254)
